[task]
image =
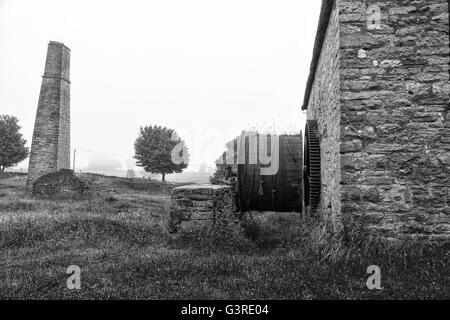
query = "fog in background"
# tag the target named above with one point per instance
(208, 69)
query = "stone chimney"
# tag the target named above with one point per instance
(50, 149)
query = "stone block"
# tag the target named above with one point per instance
(207, 202)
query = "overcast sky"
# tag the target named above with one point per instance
(206, 68)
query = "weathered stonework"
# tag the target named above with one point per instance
(204, 203)
(62, 183)
(50, 149)
(324, 105)
(392, 118)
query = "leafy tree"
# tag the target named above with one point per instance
(159, 150)
(12, 144)
(131, 173)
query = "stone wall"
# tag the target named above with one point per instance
(323, 106)
(207, 204)
(60, 184)
(50, 149)
(395, 127)
(385, 105)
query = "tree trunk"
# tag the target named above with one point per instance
(163, 177)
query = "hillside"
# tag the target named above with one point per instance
(120, 241)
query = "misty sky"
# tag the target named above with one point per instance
(206, 68)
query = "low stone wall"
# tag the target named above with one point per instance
(60, 183)
(207, 203)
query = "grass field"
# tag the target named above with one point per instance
(120, 241)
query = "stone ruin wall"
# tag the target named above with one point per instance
(395, 125)
(323, 105)
(50, 149)
(394, 116)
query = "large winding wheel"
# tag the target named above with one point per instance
(311, 174)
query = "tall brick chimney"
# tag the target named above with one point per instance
(50, 149)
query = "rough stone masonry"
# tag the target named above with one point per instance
(50, 148)
(379, 89)
(201, 203)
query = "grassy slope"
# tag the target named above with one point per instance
(120, 241)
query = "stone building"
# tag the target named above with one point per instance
(379, 91)
(50, 148)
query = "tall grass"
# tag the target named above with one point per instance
(121, 243)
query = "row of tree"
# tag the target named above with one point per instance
(159, 150)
